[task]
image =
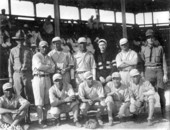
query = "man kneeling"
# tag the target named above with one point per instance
(91, 94)
(141, 92)
(13, 108)
(63, 100)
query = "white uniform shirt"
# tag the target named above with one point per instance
(130, 56)
(55, 94)
(85, 92)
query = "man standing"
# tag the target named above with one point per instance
(104, 61)
(19, 68)
(63, 60)
(141, 91)
(84, 61)
(13, 107)
(155, 66)
(63, 99)
(91, 94)
(42, 67)
(126, 60)
(119, 97)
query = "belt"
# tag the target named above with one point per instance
(80, 72)
(42, 75)
(153, 67)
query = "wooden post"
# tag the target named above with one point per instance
(56, 18)
(134, 18)
(79, 13)
(9, 7)
(35, 9)
(152, 19)
(115, 16)
(123, 18)
(144, 18)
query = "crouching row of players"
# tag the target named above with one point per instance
(115, 97)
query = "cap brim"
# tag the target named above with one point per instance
(16, 38)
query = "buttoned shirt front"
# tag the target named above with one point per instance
(86, 92)
(55, 94)
(120, 94)
(42, 64)
(19, 59)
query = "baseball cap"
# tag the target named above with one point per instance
(7, 86)
(57, 76)
(116, 75)
(82, 40)
(123, 41)
(43, 43)
(88, 75)
(102, 41)
(134, 72)
(55, 39)
(149, 32)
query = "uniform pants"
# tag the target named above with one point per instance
(23, 86)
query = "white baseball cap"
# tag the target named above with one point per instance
(57, 76)
(7, 86)
(55, 39)
(88, 75)
(116, 75)
(123, 41)
(134, 72)
(43, 43)
(82, 40)
(102, 41)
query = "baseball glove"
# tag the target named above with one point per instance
(91, 124)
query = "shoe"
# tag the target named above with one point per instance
(149, 122)
(42, 125)
(77, 124)
(110, 123)
(100, 121)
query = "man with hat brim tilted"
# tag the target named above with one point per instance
(84, 61)
(63, 100)
(117, 98)
(63, 60)
(13, 108)
(141, 91)
(19, 68)
(105, 63)
(126, 60)
(42, 67)
(91, 93)
(155, 64)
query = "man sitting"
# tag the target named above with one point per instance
(91, 94)
(63, 99)
(13, 108)
(141, 91)
(117, 97)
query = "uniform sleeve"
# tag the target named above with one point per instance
(52, 97)
(70, 90)
(21, 100)
(81, 91)
(134, 59)
(1, 102)
(70, 59)
(118, 60)
(148, 89)
(164, 63)
(100, 90)
(93, 63)
(126, 95)
(107, 88)
(10, 64)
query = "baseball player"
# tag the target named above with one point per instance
(42, 67)
(117, 99)
(63, 99)
(141, 91)
(84, 61)
(63, 60)
(126, 60)
(91, 93)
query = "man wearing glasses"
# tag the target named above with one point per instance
(126, 60)
(155, 66)
(13, 107)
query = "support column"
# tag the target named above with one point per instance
(115, 16)
(35, 9)
(134, 18)
(144, 18)
(9, 7)
(152, 19)
(79, 13)
(56, 18)
(123, 18)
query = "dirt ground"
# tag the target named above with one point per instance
(128, 123)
